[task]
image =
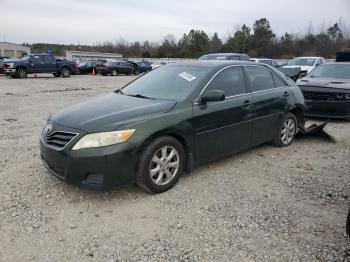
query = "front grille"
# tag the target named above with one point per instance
(58, 139)
(319, 96)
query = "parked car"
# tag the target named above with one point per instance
(348, 225)
(170, 120)
(144, 66)
(327, 91)
(87, 67)
(43, 63)
(1, 67)
(343, 56)
(116, 68)
(225, 56)
(267, 61)
(306, 64)
(157, 64)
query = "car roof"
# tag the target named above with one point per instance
(224, 54)
(336, 63)
(215, 64)
(314, 57)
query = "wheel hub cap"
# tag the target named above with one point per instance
(288, 131)
(164, 165)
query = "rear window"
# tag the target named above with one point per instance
(260, 78)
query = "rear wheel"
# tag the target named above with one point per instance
(287, 131)
(114, 72)
(21, 72)
(56, 74)
(65, 72)
(161, 165)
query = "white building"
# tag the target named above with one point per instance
(83, 56)
(12, 50)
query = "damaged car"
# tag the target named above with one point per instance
(169, 120)
(306, 64)
(327, 91)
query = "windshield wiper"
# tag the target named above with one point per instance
(119, 91)
(141, 96)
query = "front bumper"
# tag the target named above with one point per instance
(9, 71)
(96, 168)
(328, 109)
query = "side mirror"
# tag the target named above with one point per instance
(213, 95)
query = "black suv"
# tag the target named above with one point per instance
(116, 68)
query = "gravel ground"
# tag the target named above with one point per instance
(265, 204)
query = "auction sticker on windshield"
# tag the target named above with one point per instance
(187, 76)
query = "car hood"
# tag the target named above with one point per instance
(17, 61)
(107, 112)
(302, 68)
(325, 82)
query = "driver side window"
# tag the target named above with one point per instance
(230, 80)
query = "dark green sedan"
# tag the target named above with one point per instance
(170, 120)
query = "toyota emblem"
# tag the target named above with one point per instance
(48, 128)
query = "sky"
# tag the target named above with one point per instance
(90, 22)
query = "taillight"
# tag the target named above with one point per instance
(6, 65)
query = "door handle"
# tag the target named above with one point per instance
(247, 104)
(286, 94)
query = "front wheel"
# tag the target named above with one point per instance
(114, 72)
(286, 131)
(21, 73)
(56, 74)
(160, 165)
(136, 72)
(65, 72)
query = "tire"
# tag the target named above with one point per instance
(286, 131)
(56, 74)
(165, 172)
(348, 225)
(21, 72)
(114, 72)
(136, 72)
(65, 72)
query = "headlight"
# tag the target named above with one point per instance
(103, 139)
(347, 96)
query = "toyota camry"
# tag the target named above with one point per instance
(169, 121)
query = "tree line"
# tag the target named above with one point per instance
(257, 40)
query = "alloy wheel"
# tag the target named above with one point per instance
(164, 165)
(288, 131)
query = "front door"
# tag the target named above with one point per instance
(223, 127)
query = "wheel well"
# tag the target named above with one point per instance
(21, 67)
(66, 67)
(188, 154)
(299, 114)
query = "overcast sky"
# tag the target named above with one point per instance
(89, 22)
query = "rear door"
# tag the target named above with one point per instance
(270, 102)
(48, 64)
(223, 127)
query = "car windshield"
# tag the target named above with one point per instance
(24, 58)
(168, 82)
(302, 62)
(331, 71)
